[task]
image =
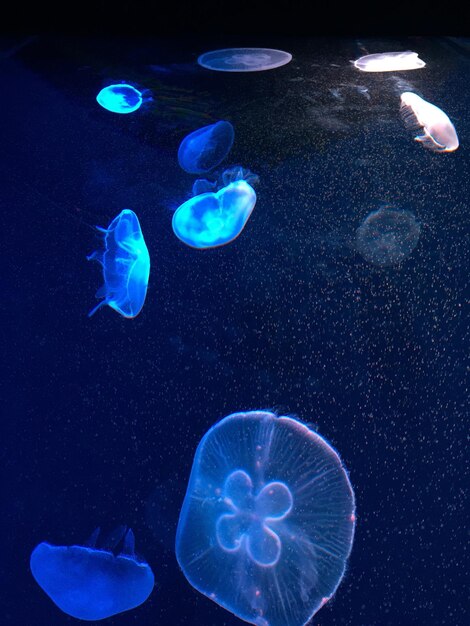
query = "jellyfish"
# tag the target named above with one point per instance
(387, 236)
(206, 147)
(90, 583)
(126, 266)
(389, 62)
(439, 134)
(214, 219)
(244, 59)
(229, 175)
(121, 98)
(267, 523)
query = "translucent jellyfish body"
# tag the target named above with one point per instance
(126, 265)
(389, 62)
(120, 98)
(214, 219)
(206, 147)
(89, 583)
(439, 134)
(267, 523)
(387, 236)
(244, 59)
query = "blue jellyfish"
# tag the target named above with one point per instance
(267, 523)
(205, 148)
(126, 265)
(90, 583)
(214, 219)
(244, 59)
(120, 98)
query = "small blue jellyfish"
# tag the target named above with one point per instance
(244, 59)
(214, 219)
(126, 265)
(120, 98)
(90, 583)
(205, 148)
(267, 523)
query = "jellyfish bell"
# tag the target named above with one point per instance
(439, 134)
(206, 147)
(126, 266)
(267, 523)
(214, 219)
(387, 236)
(389, 62)
(244, 59)
(91, 583)
(120, 98)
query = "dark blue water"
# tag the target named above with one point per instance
(101, 416)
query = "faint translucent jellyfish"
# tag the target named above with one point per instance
(90, 583)
(244, 59)
(206, 147)
(387, 236)
(121, 98)
(126, 265)
(268, 520)
(389, 62)
(439, 132)
(214, 219)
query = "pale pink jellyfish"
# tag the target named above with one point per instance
(389, 62)
(439, 133)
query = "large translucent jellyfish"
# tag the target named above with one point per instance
(387, 236)
(212, 219)
(439, 134)
(120, 98)
(206, 147)
(389, 62)
(91, 583)
(244, 59)
(126, 265)
(268, 519)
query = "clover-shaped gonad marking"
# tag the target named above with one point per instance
(248, 525)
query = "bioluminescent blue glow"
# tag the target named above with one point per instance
(387, 236)
(389, 62)
(120, 98)
(126, 265)
(267, 523)
(214, 219)
(244, 59)
(89, 583)
(206, 147)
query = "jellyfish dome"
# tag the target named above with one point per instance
(205, 148)
(92, 584)
(126, 266)
(389, 62)
(439, 134)
(387, 236)
(267, 523)
(213, 219)
(121, 98)
(244, 59)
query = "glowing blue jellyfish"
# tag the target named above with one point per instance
(90, 583)
(120, 98)
(126, 265)
(244, 59)
(214, 219)
(206, 147)
(268, 520)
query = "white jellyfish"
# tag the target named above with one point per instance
(439, 133)
(389, 62)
